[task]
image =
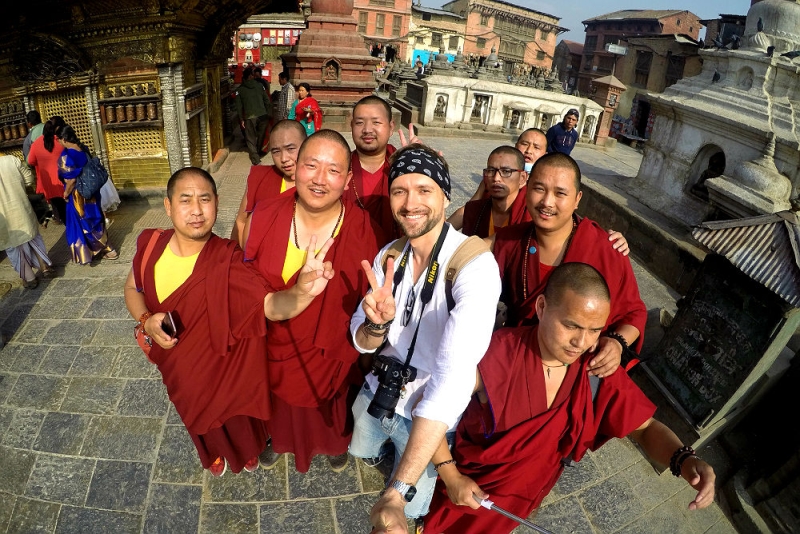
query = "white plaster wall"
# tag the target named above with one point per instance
(461, 93)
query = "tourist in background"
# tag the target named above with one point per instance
(44, 159)
(254, 109)
(286, 98)
(19, 233)
(35, 128)
(86, 225)
(306, 110)
(562, 137)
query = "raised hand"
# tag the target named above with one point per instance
(379, 304)
(316, 272)
(619, 243)
(412, 137)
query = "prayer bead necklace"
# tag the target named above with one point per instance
(553, 367)
(528, 252)
(294, 222)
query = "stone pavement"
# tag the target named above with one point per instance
(89, 442)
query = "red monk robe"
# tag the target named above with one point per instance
(370, 191)
(313, 363)
(263, 183)
(477, 214)
(589, 245)
(513, 447)
(216, 376)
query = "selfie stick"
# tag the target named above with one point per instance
(489, 505)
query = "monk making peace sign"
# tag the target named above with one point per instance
(312, 364)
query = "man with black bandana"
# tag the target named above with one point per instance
(450, 338)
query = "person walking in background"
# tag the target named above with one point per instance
(35, 128)
(305, 109)
(86, 224)
(287, 96)
(254, 109)
(562, 137)
(44, 159)
(19, 231)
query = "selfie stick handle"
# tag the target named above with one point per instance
(489, 505)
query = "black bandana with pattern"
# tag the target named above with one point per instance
(416, 161)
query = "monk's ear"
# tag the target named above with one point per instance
(347, 181)
(540, 306)
(168, 206)
(523, 178)
(578, 198)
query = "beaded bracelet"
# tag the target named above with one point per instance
(142, 319)
(450, 461)
(619, 338)
(678, 457)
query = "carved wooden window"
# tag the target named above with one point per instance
(484, 20)
(380, 22)
(675, 66)
(590, 44)
(453, 45)
(383, 3)
(480, 42)
(436, 39)
(362, 21)
(397, 25)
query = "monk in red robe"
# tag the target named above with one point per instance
(504, 178)
(535, 411)
(313, 365)
(527, 254)
(216, 376)
(372, 126)
(268, 181)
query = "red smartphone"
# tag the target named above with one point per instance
(168, 325)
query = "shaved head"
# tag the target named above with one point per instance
(580, 278)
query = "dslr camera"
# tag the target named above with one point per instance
(392, 376)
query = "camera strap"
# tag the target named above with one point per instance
(427, 289)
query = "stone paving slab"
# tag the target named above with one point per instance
(89, 442)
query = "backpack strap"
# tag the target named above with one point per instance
(467, 251)
(394, 250)
(148, 251)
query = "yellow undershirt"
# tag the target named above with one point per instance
(171, 271)
(283, 185)
(296, 258)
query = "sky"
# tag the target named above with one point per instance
(572, 12)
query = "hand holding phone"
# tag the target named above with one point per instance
(168, 325)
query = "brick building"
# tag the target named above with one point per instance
(567, 61)
(432, 30)
(384, 23)
(651, 65)
(619, 25)
(725, 27)
(520, 35)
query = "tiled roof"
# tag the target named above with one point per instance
(574, 47)
(433, 11)
(636, 14)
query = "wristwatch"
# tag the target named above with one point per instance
(407, 491)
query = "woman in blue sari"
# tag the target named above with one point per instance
(86, 224)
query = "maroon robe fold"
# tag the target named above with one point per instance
(589, 245)
(478, 212)
(263, 183)
(513, 447)
(376, 204)
(312, 360)
(216, 376)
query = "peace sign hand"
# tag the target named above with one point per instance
(412, 137)
(316, 272)
(379, 304)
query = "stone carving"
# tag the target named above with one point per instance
(744, 79)
(331, 71)
(440, 111)
(479, 108)
(516, 116)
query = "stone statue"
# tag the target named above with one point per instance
(440, 111)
